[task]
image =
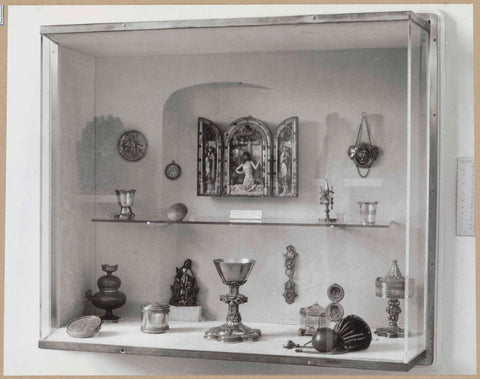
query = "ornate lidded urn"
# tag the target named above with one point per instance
(393, 287)
(109, 297)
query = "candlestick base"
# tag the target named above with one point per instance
(390, 332)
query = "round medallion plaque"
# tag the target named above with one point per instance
(173, 171)
(132, 145)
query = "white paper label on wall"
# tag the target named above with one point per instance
(357, 182)
(465, 197)
(245, 215)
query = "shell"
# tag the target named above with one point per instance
(354, 334)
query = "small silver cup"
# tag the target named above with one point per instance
(368, 210)
(125, 199)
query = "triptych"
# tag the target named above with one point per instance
(247, 159)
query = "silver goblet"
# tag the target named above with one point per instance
(125, 199)
(234, 273)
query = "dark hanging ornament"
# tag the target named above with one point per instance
(363, 154)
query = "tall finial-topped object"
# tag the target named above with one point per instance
(326, 200)
(392, 286)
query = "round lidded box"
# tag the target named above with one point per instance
(155, 318)
(84, 327)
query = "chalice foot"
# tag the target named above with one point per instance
(390, 332)
(233, 333)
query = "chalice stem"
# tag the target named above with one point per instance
(393, 311)
(233, 315)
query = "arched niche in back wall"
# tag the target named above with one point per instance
(215, 108)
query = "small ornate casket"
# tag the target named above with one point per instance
(155, 318)
(312, 318)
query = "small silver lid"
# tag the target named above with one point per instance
(156, 307)
(393, 284)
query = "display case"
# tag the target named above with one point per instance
(305, 143)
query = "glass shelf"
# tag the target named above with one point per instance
(262, 222)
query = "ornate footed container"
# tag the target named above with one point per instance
(234, 273)
(109, 297)
(392, 286)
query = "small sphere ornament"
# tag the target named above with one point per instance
(177, 212)
(324, 340)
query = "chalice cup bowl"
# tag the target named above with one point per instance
(125, 199)
(234, 273)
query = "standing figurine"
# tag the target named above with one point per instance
(247, 168)
(184, 288)
(210, 170)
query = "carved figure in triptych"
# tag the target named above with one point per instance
(285, 163)
(247, 158)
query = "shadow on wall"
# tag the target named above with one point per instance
(97, 155)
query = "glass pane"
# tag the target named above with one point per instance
(370, 68)
(416, 253)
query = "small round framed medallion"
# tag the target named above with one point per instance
(173, 171)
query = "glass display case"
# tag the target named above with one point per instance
(307, 144)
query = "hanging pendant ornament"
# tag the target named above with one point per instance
(363, 154)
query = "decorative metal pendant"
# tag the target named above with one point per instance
(363, 154)
(290, 255)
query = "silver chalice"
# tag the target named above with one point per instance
(234, 273)
(125, 199)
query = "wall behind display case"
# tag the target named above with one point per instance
(456, 342)
(163, 96)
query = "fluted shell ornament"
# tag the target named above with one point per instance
(353, 334)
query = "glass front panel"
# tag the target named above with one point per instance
(246, 140)
(417, 192)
